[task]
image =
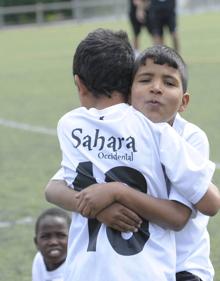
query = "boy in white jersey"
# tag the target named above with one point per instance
(51, 235)
(98, 146)
(159, 91)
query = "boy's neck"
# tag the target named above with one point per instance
(104, 101)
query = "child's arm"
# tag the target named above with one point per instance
(116, 215)
(210, 203)
(166, 213)
(57, 192)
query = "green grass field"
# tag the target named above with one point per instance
(37, 89)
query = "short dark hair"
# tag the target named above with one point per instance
(104, 61)
(161, 54)
(54, 212)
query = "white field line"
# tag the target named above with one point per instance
(22, 221)
(27, 127)
(39, 130)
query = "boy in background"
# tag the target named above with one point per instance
(51, 235)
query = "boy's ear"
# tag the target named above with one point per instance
(129, 99)
(35, 241)
(80, 85)
(185, 101)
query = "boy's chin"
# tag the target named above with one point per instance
(155, 118)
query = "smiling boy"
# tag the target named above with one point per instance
(51, 235)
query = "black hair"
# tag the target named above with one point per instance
(104, 61)
(54, 212)
(161, 54)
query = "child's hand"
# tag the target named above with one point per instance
(94, 198)
(140, 15)
(120, 218)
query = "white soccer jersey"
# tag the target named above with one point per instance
(119, 144)
(40, 273)
(193, 243)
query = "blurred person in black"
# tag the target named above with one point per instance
(139, 19)
(162, 14)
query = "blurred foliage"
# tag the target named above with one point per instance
(40, 14)
(9, 3)
(30, 17)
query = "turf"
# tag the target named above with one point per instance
(37, 89)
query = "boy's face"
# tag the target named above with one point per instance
(51, 240)
(157, 92)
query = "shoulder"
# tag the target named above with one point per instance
(159, 133)
(38, 259)
(147, 123)
(191, 133)
(139, 115)
(73, 113)
(70, 117)
(38, 267)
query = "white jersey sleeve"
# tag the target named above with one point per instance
(186, 165)
(197, 139)
(59, 175)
